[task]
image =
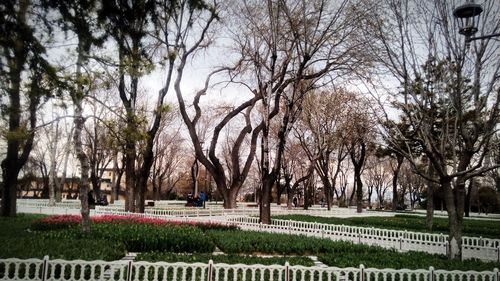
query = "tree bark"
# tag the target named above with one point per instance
(79, 121)
(358, 158)
(468, 198)
(454, 202)
(399, 159)
(13, 162)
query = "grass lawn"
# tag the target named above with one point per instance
(472, 227)
(28, 236)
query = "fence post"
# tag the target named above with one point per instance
(446, 245)
(287, 271)
(289, 227)
(129, 270)
(45, 268)
(498, 255)
(210, 269)
(431, 272)
(361, 272)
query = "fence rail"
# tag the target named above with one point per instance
(46, 269)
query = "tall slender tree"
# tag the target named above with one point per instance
(25, 79)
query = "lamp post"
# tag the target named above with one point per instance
(467, 16)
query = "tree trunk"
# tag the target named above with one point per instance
(351, 198)
(77, 138)
(358, 159)
(468, 197)
(359, 191)
(9, 189)
(399, 159)
(62, 183)
(194, 177)
(230, 197)
(454, 198)
(265, 206)
(12, 163)
(327, 189)
(430, 198)
(52, 167)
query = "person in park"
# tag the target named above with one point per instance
(203, 198)
(91, 200)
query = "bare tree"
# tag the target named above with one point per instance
(323, 117)
(167, 169)
(377, 176)
(287, 47)
(450, 94)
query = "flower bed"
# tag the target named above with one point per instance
(69, 221)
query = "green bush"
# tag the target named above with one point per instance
(249, 242)
(17, 226)
(229, 259)
(39, 246)
(144, 237)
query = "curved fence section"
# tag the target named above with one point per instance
(46, 269)
(472, 247)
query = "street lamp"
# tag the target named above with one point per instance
(467, 16)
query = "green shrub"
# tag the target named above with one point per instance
(248, 242)
(144, 238)
(383, 258)
(39, 246)
(229, 259)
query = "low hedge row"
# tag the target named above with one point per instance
(384, 258)
(38, 246)
(249, 242)
(229, 259)
(337, 253)
(142, 237)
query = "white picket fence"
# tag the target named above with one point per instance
(472, 247)
(46, 269)
(176, 208)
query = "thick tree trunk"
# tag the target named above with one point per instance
(230, 198)
(265, 206)
(289, 200)
(12, 163)
(9, 189)
(454, 198)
